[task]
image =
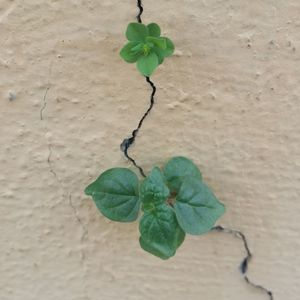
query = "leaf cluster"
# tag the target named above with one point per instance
(146, 47)
(174, 201)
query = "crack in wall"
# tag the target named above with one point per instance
(141, 9)
(245, 262)
(52, 169)
(44, 103)
(127, 142)
(44, 100)
(79, 220)
(70, 201)
(50, 164)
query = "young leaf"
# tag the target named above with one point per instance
(197, 209)
(169, 47)
(159, 53)
(115, 193)
(147, 64)
(160, 232)
(138, 48)
(153, 190)
(158, 42)
(136, 32)
(153, 30)
(177, 170)
(128, 52)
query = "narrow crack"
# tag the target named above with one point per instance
(141, 9)
(76, 214)
(70, 201)
(50, 164)
(65, 194)
(127, 142)
(245, 262)
(44, 100)
(44, 103)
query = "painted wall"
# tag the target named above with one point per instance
(228, 99)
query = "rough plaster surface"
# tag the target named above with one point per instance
(228, 99)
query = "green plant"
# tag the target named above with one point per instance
(174, 201)
(146, 47)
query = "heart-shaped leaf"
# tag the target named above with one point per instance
(160, 232)
(147, 64)
(115, 193)
(177, 170)
(130, 52)
(136, 32)
(153, 30)
(153, 190)
(197, 209)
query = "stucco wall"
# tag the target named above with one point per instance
(228, 99)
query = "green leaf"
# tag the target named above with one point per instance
(197, 209)
(136, 32)
(177, 170)
(160, 232)
(138, 48)
(152, 249)
(153, 190)
(167, 51)
(158, 42)
(180, 236)
(115, 193)
(147, 64)
(159, 53)
(169, 47)
(130, 52)
(153, 30)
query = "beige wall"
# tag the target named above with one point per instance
(228, 99)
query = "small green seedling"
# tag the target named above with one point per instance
(174, 201)
(146, 47)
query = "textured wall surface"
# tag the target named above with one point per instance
(228, 99)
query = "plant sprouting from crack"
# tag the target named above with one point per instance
(174, 201)
(146, 47)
